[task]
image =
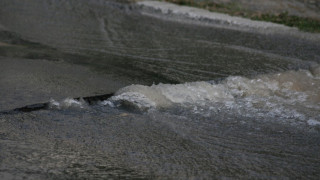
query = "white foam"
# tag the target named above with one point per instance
(107, 103)
(288, 95)
(66, 103)
(134, 99)
(313, 122)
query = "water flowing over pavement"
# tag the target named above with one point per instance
(197, 95)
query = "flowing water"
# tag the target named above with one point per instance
(191, 100)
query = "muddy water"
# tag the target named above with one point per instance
(208, 102)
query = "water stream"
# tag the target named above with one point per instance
(191, 100)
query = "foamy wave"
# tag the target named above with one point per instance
(290, 95)
(67, 103)
(134, 99)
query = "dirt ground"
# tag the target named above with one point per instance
(302, 8)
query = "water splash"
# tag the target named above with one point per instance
(67, 103)
(290, 95)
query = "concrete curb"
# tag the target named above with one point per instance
(198, 16)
